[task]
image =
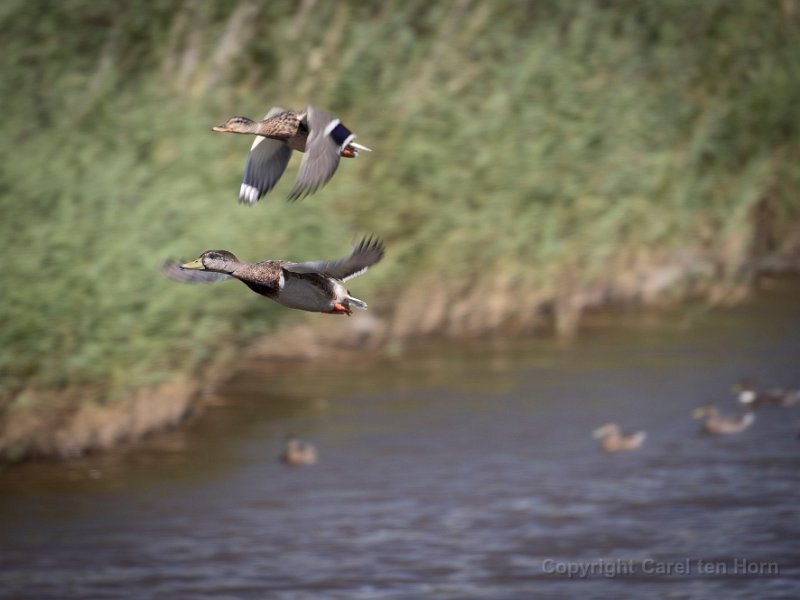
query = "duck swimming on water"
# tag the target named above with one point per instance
(319, 134)
(298, 453)
(613, 440)
(752, 397)
(716, 424)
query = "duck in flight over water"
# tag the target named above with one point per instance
(315, 286)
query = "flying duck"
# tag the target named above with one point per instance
(315, 286)
(319, 134)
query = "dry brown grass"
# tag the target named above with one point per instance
(59, 425)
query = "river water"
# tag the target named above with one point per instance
(455, 471)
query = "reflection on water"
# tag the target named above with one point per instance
(460, 470)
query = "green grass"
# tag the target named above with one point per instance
(531, 138)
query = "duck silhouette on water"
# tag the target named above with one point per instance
(751, 397)
(298, 452)
(613, 440)
(718, 424)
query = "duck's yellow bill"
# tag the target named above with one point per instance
(195, 264)
(698, 413)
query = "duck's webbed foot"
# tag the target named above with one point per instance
(341, 309)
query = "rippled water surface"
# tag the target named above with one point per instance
(456, 471)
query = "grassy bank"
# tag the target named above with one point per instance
(529, 158)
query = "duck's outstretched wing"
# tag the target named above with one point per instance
(327, 137)
(266, 164)
(172, 270)
(367, 252)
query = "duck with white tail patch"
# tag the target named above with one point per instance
(315, 286)
(319, 134)
(751, 397)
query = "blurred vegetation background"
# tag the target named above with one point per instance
(528, 156)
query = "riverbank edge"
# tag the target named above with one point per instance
(62, 425)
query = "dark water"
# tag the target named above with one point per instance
(458, 471)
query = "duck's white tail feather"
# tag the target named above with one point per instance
(356, 303)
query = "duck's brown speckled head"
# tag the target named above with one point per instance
(236, 125)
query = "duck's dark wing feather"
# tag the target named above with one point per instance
(321, 157)
(368, 252)
(266, 164)
(172, 270)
